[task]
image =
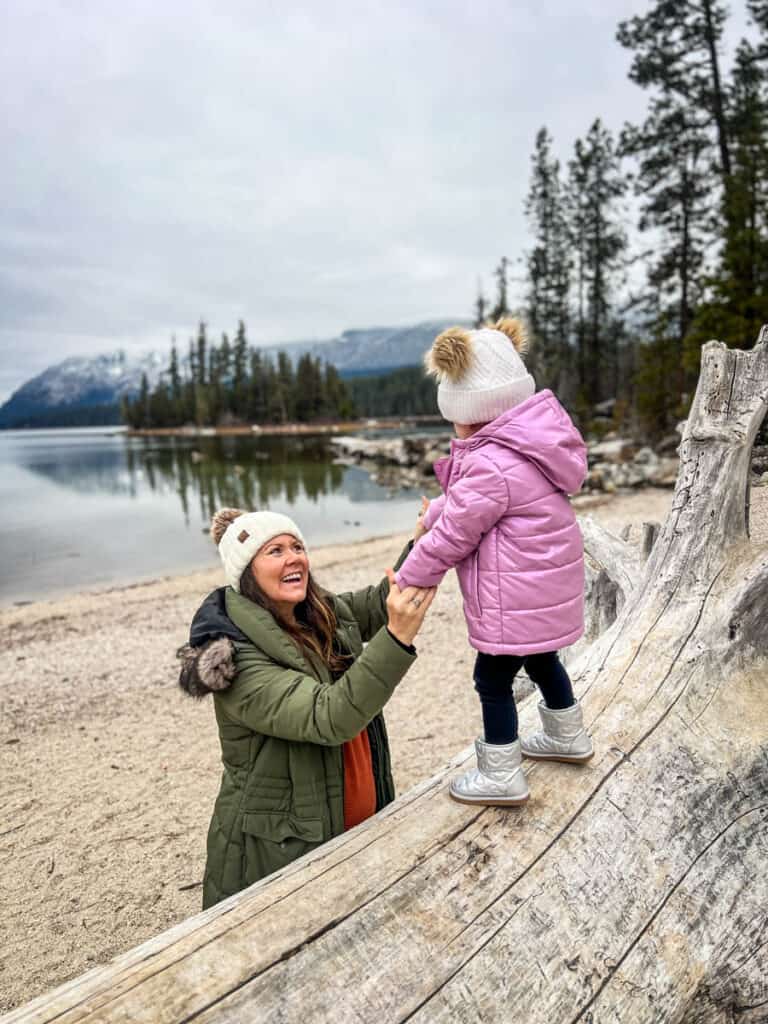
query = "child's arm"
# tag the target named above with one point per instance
(433, 512)
(472, 506)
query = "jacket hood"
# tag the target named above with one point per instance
(541, 430)
(212, 621)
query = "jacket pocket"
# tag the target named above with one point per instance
(468, 574)
(272, 840)
(277, 827)
(477, 584)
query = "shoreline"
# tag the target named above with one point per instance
(244, 429)
(318, 555)
(176, 579)
(278, 429)
(583, 504)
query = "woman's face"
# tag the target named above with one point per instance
(281, 569)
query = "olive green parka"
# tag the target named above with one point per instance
(282, 722)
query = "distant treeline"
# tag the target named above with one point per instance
(403, 392)
(103, 415)
(619, 307)
(233, 383)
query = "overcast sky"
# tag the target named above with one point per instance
(307, 167)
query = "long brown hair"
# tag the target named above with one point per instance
(314, 631)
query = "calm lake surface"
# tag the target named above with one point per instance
(85, 508)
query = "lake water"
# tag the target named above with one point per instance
(85, 508)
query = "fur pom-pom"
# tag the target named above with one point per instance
(206, 669)
(450, 355)
(515, 330)
(221, 520)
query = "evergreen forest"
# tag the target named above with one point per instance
(233, 382)
(649, 242)
(645, 243)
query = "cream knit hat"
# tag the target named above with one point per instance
(246, 533)
(481, 373)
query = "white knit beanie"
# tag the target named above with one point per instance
(481, 373)
(245, 535)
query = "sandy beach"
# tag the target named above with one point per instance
(109, 772)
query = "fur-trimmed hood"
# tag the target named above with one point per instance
(208, 660)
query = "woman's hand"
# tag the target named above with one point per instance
(406, 609)
(420, 528)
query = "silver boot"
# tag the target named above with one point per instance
(563, 738)
(498, 779)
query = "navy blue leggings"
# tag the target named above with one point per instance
(493, 676)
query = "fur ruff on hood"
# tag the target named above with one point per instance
(206, 669)
(208, 660)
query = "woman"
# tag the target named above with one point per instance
(298, 700)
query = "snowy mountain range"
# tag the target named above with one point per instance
(89, 389)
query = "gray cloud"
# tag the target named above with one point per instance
(309, 169)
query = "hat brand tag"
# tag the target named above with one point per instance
(243, 536)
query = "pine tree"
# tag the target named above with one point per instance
(215, 386)
(257, 398)
(339, 402)
(738, 302)
(199, 366)
(501, 308)
(598, 239)
(201, 358)
(225, 358)
(287, 386)
(321, 397)
(130, 413)
(308, 390)
(684, 151)
(758, 13)
(481, 306)
(160, 407)
(549, 269)
(240, 373)
(144, 417)
(676, 50)
(225, 375)
(275, 411)
(174, 378)
(674, 184)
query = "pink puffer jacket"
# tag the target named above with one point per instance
(506, 525)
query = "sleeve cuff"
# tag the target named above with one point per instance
(404, 554)
(409, 648)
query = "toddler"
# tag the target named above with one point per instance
(505, 523)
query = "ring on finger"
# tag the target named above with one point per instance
(416, 601)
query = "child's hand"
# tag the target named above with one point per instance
(406, 609)
(420, 528)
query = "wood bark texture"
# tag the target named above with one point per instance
(632, 890)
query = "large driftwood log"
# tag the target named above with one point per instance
(632, 890)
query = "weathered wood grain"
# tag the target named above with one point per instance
(633, 889)
(619, 559)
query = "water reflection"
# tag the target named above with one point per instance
(206, 472)
(237, 472)
(114, 509)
